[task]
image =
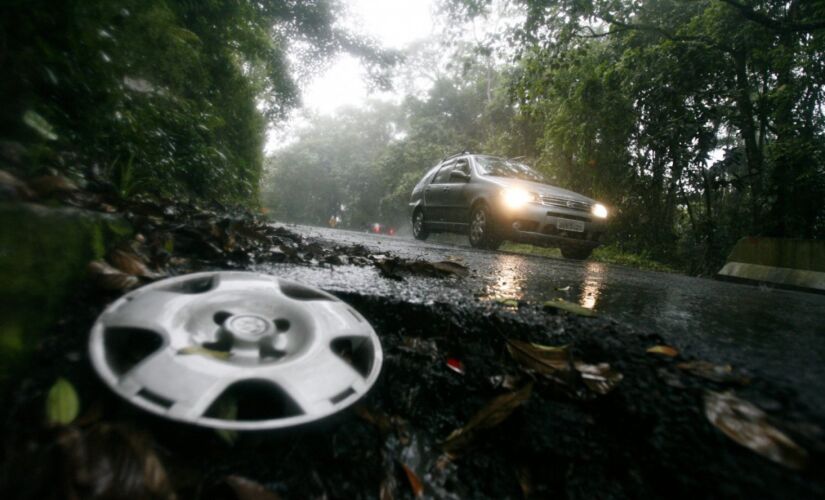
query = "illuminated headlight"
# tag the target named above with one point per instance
(516, 197)
(599, 210)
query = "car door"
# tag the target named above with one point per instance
(435, 194)
(454, 192)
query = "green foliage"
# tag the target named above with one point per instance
(62, 403)
(169, 97)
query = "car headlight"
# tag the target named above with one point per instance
(599, 211)
(516, 197)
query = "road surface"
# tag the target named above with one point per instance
(767, 332)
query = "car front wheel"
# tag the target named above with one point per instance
(576, 253)
(482, 229)
(419, 229)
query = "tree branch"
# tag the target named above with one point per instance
(752, 15)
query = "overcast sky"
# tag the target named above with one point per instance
(394, 24)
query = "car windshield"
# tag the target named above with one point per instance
(500, 167)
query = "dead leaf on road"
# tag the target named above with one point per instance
(748, 425)
(664, 350)
(599, 378)
(557, 363)
(540, 358)
(247, 489)
(62, 403)
(113, 461)
(716, 373)
(563, 305)
(494, 413)
(109, 278)
(130, 263)
(508, 302)
(415, 483)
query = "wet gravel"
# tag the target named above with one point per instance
(647, 438)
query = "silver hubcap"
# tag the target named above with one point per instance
(216, 331)
(478, 225)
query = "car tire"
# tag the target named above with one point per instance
(419, 228)
(576, 253)
(482, 229)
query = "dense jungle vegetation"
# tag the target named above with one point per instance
(168, 97)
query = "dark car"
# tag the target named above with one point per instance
(495, 199)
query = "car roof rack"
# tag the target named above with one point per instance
(465, 152)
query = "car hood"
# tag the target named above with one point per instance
(541, 189)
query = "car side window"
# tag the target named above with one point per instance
(443, 175)
(463, 165)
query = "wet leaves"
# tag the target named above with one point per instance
(570, 307)
(416, 485)
(599, 378)
(49, 185)
(247, 489)
(723, 374)
(511, 303)
(491, 415)
(663, 350)
(62, 403)
(130, 263)
(749, 426)
(396, 267)
(12, 188)
(557, 364)
(542, 359)
(109, 278)
(112, 461)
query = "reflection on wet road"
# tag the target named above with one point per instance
(507, 278)
(773, 333)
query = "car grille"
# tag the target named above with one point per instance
(556, 201)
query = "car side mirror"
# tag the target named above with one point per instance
(459, 175)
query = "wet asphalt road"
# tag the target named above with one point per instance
(767, 332)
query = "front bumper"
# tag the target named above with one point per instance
(539, 225)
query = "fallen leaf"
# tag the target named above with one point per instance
(542, 359)
(599, 378)
(664, 350)
(14, 188)
(508, 302)
(415, 483)
(563, 305)
(110, 278)
(451, 267)
(492, 414)
(525, 479)
(62, 403)
(396, 267)
(203, 351)
(130, 263)
(247, 489)
(455, 365)
(113, 461)
(226, 408)
(563, 288)
(748, 425)
(716, 373)
(47, 185)
(374, 417)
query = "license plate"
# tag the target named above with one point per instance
(570, 225)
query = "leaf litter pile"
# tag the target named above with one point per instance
(474, 400)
